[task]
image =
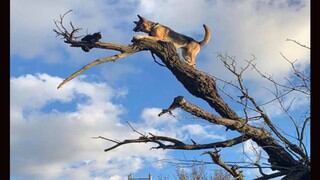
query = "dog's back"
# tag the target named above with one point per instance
(178, 39)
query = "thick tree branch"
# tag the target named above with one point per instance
(106, 45)
(239, 125)
(259, 135)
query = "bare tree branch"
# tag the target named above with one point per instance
(229, 63)
(301, 137)
(269, 78)
(175, 143)
(63, 31)
(134, 130)
(302, 45)
(239, 125)
(95, 62)
(232, 170)
(304, 79)
(125, 50)
(111, 140)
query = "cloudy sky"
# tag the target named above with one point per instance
(52, 130)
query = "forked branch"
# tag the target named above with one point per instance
(70, 38)
(63, 31)
(233, 170)
(174, 143)
(165, 142)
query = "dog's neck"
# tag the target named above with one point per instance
(154, 25)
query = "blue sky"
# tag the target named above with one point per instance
(51, 129)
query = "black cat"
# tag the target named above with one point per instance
(90, 38)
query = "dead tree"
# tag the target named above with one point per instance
(290, 159)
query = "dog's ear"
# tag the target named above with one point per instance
(141, 18)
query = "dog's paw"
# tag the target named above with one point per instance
(138, 37)
(187, 60)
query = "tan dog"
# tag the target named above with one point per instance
(190, 47)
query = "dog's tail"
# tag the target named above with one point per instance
(207, 36)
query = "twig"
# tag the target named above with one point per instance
(101, 137)
(302, 45)
(133, 129)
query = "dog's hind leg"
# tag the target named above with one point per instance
(186, 55)
(193, 55)
(190, 53)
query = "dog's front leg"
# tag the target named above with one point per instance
(147, 37)
(139, 36)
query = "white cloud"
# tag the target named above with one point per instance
(180, 15)
(203, 132)
(46, 145)
(116, 177)
(54, 143)
(251, 148)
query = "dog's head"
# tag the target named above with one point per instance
(143, 25)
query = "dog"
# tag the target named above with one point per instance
(190, 47)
